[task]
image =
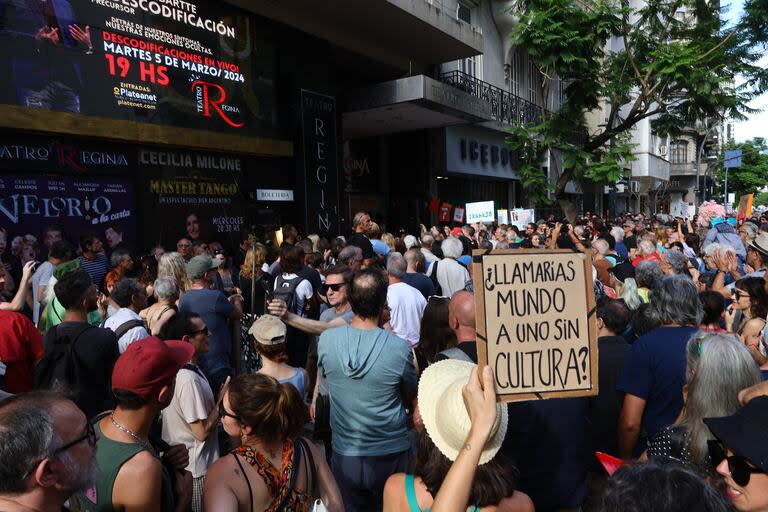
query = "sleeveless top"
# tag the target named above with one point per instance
(297, 380)
(151, 320)
(277, 480)
(410, 493)
(110, 457)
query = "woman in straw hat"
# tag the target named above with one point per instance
(463, 431)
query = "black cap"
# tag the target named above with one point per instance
(746, 431)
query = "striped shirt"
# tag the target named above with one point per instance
(97, 268)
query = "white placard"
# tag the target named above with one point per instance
(502, 217)
(521, 217)
(480, 212)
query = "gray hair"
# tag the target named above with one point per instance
(677, 260)
(358, 219)
(452, 248)
(617, 232)
(676, 301)
(601, 246)
(416, 258)
(124, 290)
(118, 255)
(646, 247)
(427, 241)
(648, 274)
(718, 366)
(750, 229)
(396, 265)
(27, 436)
(166, 288)
(350, 253)
(629, 293)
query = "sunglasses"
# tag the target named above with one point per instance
(739, 467)
(335, 287)
(223, 412)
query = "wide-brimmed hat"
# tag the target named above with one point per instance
(444, 413)
(744, 431)
(268, 330)
(760, 243)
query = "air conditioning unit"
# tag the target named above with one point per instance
(663, 150)
(634, 187)
(620, 188)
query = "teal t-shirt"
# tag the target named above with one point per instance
(368, 372)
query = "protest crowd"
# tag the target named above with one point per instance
(341, 374)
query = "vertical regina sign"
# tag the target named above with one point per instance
(536, 322)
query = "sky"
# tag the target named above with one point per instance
(757, 124)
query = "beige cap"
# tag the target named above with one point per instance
(268, 330)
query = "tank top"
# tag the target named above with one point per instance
(297, 380)
(413, 503)
(110, 456)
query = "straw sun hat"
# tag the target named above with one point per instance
(444, 414)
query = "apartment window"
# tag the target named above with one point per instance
(515, 72)
(533, 80)
(472, 66)
(678, 152)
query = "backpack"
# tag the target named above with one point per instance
(285, 290)
(127, 326)
(61, 369)
(435, 282)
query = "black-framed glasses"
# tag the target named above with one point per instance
(201, 331)
(740, 468)
(737, 294)
(90, 435)
(223, 412)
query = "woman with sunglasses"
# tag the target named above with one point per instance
(746, 316)
(272, 469)
(740, 454)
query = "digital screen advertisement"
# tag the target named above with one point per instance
(192, 64)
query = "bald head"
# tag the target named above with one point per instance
(461, 315)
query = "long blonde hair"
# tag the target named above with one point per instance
(172, 264)
(255, 257)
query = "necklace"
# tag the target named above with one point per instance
(143, 443)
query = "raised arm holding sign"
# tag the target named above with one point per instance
(536, 322)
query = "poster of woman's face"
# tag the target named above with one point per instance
(193, 226)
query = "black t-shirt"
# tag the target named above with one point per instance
(361, 241)
(97, 350)
(604, 409)
(313, 276)
(630, 242)
(468, 347)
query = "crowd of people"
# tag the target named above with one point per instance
(341, 374)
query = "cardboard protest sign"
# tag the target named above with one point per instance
(480, 212)
(535, 322)
(745, 208)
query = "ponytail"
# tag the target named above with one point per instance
(274, 411)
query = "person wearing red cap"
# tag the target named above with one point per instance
(132, 476)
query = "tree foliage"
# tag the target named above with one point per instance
(669, 60)
(753, 173)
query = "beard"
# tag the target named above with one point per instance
(79, 477)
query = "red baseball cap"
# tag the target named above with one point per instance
(149, 364)
(456, 231)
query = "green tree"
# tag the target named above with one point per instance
(669, 60)
(752, 175)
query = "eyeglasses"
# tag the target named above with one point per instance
(201, 331)
(739, 294)
(223, 412)
(334, 287)
(739, 467)
(90, 435)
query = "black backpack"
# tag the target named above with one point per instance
(435, 282)
(285, 290)
(60, 369)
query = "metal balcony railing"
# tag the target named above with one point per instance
(506, 107)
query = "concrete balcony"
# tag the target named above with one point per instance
(650, 167)
(400, 33)
(687, 169)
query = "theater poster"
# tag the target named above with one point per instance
(187, 63)
(32, 205)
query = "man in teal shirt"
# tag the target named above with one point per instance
(372, 376)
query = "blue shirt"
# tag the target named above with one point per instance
(368, 372)
(380, 247)
(621, 249)
(214, 308)
(655, 372)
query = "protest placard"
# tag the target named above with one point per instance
(458, 214)
(480, 212)
(502, 217)
(521, 217)
(535, 322)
